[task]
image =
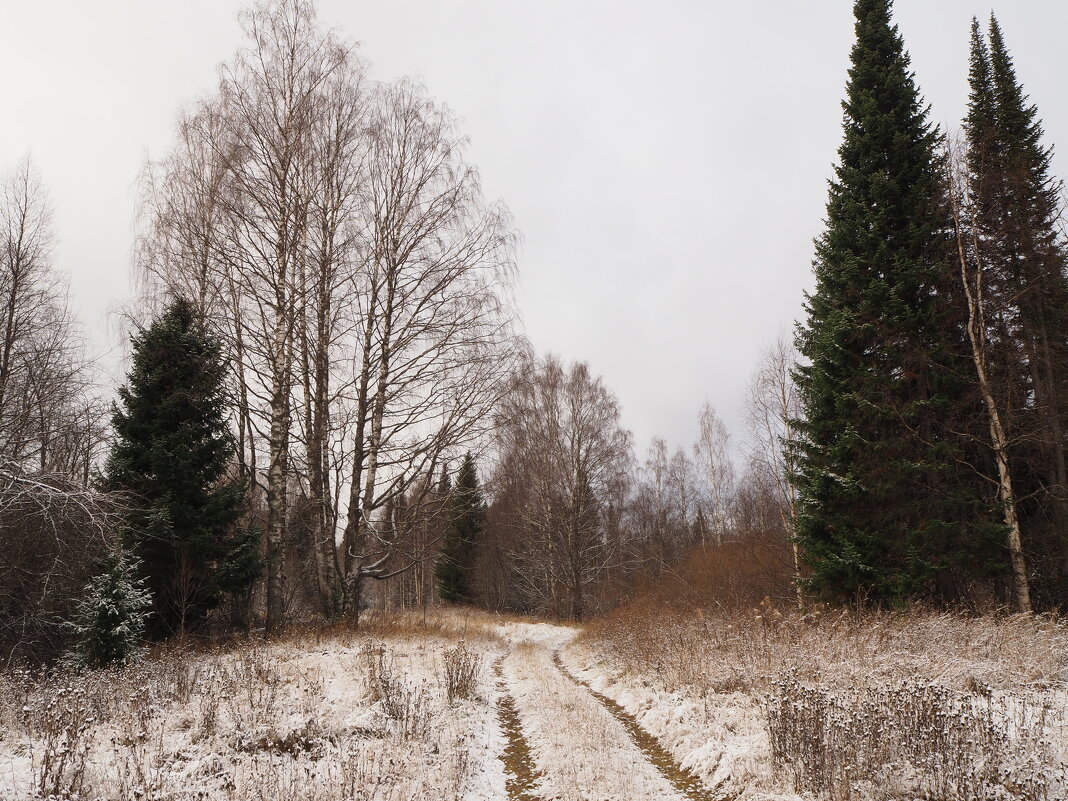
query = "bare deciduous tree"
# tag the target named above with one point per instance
(436, 338)
(560, 437)
(337, 241)
(772, 406)
(327, 318)
(712, 454)
(972, 264)
(55, 532)
(271, 95)
(51, 417)
(666, 512)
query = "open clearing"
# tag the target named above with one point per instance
(467, 707)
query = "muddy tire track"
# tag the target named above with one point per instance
(521, 776)
(683, 781)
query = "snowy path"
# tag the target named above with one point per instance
(522, 774)
(364, 715)
(685, 782)
(582, 748)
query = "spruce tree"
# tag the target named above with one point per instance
(466, 517)
(880, 512)
(1014, 207)
(109, 623)
(173, 454)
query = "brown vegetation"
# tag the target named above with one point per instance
(922, 702)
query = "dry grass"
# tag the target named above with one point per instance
(868, 705)
(403, 701)
(405, 625)
(915, 739)
(326, 714)
(462, 670)
(734, 649)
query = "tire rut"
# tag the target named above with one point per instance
(521, 775)
(683, 781)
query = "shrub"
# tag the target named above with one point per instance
(55, 534)
(462, 667)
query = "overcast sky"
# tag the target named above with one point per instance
(665, 161)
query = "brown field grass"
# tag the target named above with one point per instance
(868, 704)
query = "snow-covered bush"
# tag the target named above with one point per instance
(462, 668)
(109, 623)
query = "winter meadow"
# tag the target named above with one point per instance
(344, 530)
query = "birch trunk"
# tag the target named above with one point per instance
(998, 438)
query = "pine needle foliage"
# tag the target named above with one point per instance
(879, 505)
(463, 533)
(109, 622)
(174, 455)
(1013, 210)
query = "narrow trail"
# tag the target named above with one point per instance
(566, 742)
(521, 774)
(683, 781)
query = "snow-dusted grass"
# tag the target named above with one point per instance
(719, 737)
(763, 703)
(747, 648)
(317, 718)
(758, 704)
(918, 739)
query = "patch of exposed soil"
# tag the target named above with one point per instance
(522, 777)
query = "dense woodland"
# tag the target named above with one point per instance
(330, 405)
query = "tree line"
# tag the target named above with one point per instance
(330, 407)
(929, 455)
(329, 232)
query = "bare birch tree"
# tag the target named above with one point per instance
(29, 292)
(270, 96)
(328, 318)
(712, 454)
(965, 200)
(51, 416)
(337, 241)
(435, 327)
(771, 407)
(666, 510)
(560, 436)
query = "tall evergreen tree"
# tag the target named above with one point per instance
(173, 454)
(466, 520)
(880, 512)
(1014, 206)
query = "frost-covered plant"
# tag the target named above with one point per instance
(109, 623)
(60, 757)
(462, 667)
(917, 739)
(405, 703)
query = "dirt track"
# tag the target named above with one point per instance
(578, 744)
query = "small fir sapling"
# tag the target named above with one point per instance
(109, 623)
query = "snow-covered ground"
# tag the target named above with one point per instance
(362, 718)
(871, 706)
(719, 737)
(370, 715)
